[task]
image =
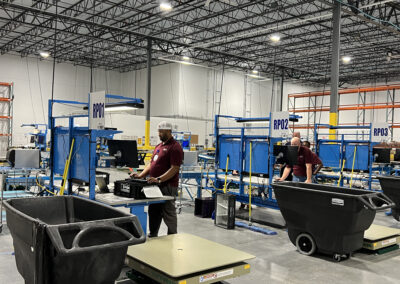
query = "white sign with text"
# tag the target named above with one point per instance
(97, 104)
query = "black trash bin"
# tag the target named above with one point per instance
(328, 219)
(66, 239)
(391, 187)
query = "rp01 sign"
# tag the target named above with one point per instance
(379, 132)
(279, 124)
(96, 110)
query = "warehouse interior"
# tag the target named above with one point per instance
(215, 141)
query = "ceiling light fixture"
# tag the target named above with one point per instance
(275, 38)
(165, 6)
(254, 71)
(346, 59)
(186, 58)
(44, 54)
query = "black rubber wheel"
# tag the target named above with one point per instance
(337, 257)
(305, 244)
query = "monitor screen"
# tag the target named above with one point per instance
(286, 154)
(381, 155)
(125, 152)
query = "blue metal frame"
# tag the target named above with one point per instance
(83, 161)
(347, 143)
(243, 140)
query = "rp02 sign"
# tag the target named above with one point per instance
(379, 132)
(279, 124)
(96, 110)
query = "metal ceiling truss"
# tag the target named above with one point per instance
(113, 35)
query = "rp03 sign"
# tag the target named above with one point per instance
(379, 132)
(96, 110)
(279, 124)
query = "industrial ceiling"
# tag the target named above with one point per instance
(115, 34)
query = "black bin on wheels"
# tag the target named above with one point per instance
(328, 219)
(391, 187)
(66, 239)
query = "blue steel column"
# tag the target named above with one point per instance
(92, 164)
(242, 155)
(216, 139)
(270, 153)
(51, 127)
(71, 127)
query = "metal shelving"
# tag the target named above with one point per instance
(6, 110)
(361, 106)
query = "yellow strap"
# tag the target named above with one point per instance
(340, 175)
(66, 168)
(352, 168)
(226, 172)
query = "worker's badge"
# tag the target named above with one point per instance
(155, 158)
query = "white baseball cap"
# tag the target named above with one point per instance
(163, 125)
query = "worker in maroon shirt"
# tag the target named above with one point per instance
(302, 172)
(317, 163)
(164, 171)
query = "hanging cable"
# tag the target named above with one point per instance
(220, 91)
(30, 90)
(184, 97)
(40, 90)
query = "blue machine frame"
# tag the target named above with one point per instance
(83, 160)
(238, 149)
(333, 152)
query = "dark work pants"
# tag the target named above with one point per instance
(164, 211)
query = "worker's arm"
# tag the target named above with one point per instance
(143, 174)
(173, 170)
(318, 168)
(309, 173)
(285, 174)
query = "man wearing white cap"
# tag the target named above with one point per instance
(164, 170)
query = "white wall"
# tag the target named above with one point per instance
(178, 91)
(33, 83)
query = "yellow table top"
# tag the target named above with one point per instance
(377, 232)
(182, 254)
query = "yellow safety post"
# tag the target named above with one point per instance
(332, 122)
(352, 167)
(66, 168)
(341, 172)
(226, 172)
(147, 135)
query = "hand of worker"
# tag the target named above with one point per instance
(308, 181)
(152, 180)
(135, 175)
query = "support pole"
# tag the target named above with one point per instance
(148, 97)
(334, 97)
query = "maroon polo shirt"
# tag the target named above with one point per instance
(164, 156)
(315, 160)
(304, 157)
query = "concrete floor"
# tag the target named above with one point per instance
(277, 260)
